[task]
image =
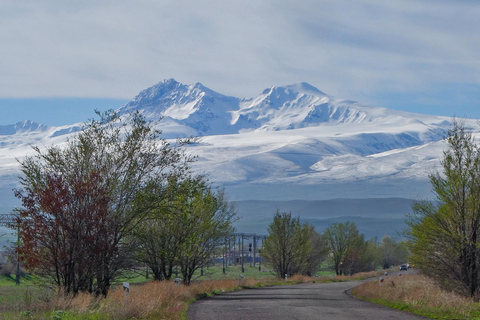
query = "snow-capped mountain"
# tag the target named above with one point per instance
(296, 135)
(186, 109)
(202, 111)
(22, 127)
(289, 142)
(292, 134)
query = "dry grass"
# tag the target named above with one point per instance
(160, 299)
(419, 294)
(153, 300)
(165, 300)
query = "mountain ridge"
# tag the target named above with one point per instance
(291, 148)
(293, 136)
(294, 106)
(22, 127)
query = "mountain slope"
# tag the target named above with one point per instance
(22, 127)
(196, 110)
(289, 142)
(204, 111)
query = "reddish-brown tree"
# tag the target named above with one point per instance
(81, 202)
(65, 227)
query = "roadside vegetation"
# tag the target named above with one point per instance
(444, 241)
(293, 247)
(150, 300)
(445, 234)
(421, 295)
(116, 197)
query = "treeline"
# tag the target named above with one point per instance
(116, 196)
(293, 247)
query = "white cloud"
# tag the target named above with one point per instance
(346, 48)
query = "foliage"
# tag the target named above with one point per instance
(347, 247)
(81, 201)
(292, 247)
(445, 233)
(207, 221)
(318, 251)
(186, 231)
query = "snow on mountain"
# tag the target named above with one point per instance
(188, 106)
(22, 127)
(289, 142)
(195, 109)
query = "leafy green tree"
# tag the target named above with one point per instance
(292, 247)
(206, 217)
(346, 246)
(160, 236)
(318, 252)
(186, 230)
(81, 201)
(445, 233)
(360, 257)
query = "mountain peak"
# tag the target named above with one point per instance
(22, 127)
(293, 89)
(186, 107)
(197, 110)
(306, 88)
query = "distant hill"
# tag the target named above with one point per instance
(374, 217)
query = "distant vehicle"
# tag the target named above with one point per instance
(403, 267)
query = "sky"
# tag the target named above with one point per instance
(61, 59)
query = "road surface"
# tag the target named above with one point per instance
(302, 301)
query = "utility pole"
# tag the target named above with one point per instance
(243, 269)
(260, 258)
(17, 276)
(224, 254)
(234, 254)
(252, 252)
(254, 249)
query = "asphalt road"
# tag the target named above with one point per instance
(303, 301)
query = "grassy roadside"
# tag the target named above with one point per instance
(147, 300)
(420, 295)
